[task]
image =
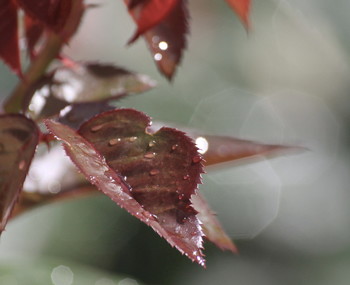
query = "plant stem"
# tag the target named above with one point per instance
(37, 68)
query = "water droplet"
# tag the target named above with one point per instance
(181, 196)
(149, 155)
(186, 177)
(132, 139)
(163, 45)
(113, 142)
(21, 165)
(174, 147)
(195, 252)
(95, 129)
(158, 56)
(154, 172)
(62, 275)
(196, 159)
(202, 145)
(151, 143)
(155, 217)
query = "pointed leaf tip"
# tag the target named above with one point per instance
(242, 9)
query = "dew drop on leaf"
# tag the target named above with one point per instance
(113, 142)
(149, 155)
(186, 177)
(154, 172)
(95, 129)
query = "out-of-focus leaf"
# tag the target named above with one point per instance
(9, 50)
(151, 176)
(242, 9)
(76, 114)
(18, 140)
(217, 149)
(86, 82)
(60, 16)
(167, 40)
(148, 13)
(34, 31)
(211, 226)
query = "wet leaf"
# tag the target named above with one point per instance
(167, 40)
(211, 226)
(9, 50)
(152, 176)
(148, 13)
(242, 9)
(18, 140)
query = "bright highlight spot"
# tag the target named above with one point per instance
(163, 45)
(158, 57)
(202, 145)
(62, 275)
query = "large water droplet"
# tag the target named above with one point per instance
(186, 177)
(155, 217)
(163, 45)
(174, 147)
(154, 172)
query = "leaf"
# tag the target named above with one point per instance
(220, 149)
(18, 140)
(242, 9)
(86, 82)
(151, 176)
(9, 50)
(76, 114)
(34, 31)
(148, 13)
(60, 16)
(211, 226)
(167, 39)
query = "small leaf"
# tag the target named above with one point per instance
(148, 13)
(18, 140)
(151, 176)
(242, 9)
(9, 50)
(211, 226)
(167, 39)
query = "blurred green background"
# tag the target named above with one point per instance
(285, 82)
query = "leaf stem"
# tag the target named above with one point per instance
(37, 68)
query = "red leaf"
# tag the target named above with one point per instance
(9, 50)
(60, 16)
(148, 13)
(242, 9)
(34, 31)
(161, 172)
(18, 139)
(211, 226)
(167, 39)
